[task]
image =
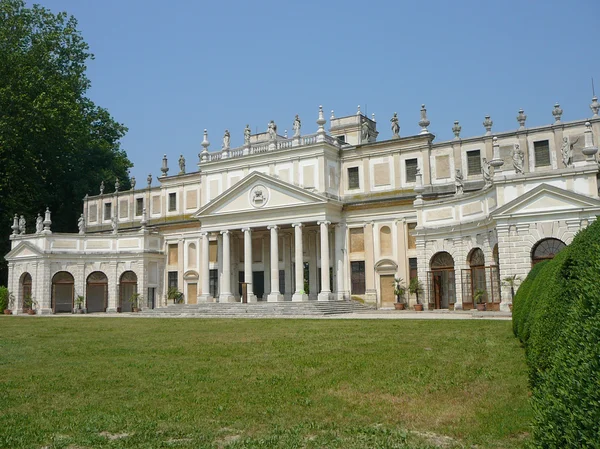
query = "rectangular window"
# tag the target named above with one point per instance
(139, 206)
(353, 181)
(213, 283)
(281, 281)
(542, 153)
(172, 280)
(341, 139)
(172, 202)
(412, 268)
(411, 170)
(107, 211)
(212, 251)
(473, 162)
(358, 278)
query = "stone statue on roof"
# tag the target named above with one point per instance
(296, 126)
(395, 125)
(247, 133)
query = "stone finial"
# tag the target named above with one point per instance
(102, 188)
(81, 224)
(424, 123)
(149, 180)
(456, 129)
(47, 221)
(496, 161)
(521, 118)
(205, 144)
(321, 121)
(285, 134)
(395, 126)
(487, 124)
(117, 185)
(589, 149)
(557, 113)
(595, 106)
(165, 167)
(358, 110)
(22, 225)
(132, 182)
(332, 116)
(15, 226)
(373, 117)
(419, 188)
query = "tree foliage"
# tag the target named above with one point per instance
(56, 145)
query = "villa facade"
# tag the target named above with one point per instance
(326, 216)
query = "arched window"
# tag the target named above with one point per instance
(442, 260)
(385, 241)
(476, 258)
(546, 249)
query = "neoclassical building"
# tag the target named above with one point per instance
(324, 217)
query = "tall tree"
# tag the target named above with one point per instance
(56, 145)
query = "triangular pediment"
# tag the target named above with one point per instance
(546, 198)
(257, 192)
(23, 250)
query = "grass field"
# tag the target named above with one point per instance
(102, 382)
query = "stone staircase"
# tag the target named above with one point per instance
(258, 309)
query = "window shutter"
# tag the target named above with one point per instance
(411, 170)
(473, 163)
(542, 153)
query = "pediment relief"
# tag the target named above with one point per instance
(386, 265)
(259, 191)
(23, 250)
(546, 198)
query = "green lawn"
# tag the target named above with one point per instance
(202, 383)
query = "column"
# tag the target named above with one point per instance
(226, 295)
(313, 283)
(340, 261)
(248, 263)
(325, 288)
(275, 295)
(205, 275)
(287, 265)
(299, 294)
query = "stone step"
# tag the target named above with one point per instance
(312, 308)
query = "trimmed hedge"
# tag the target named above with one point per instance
(557, 317)
(3, 298)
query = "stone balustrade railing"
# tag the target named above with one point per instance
(265, 147)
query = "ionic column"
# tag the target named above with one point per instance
(226, 295)
(205, 296)
(299, 294)
(275, 295)
(340, 261)
(248, 264)
(325, 292)
(287, 266)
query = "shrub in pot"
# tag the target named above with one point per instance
(480, 296)
(399, 292)
(135, 302)
(415, 287)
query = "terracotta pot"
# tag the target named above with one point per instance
(418, 307)
(7, 312)
(135, 309)
(31, 312)
(399, 306)
(481, 307)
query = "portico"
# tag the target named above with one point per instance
(282, 235)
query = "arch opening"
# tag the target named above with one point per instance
(127, 288)
(96, 298)
(441, 282)
(546, 249)
(63, 292)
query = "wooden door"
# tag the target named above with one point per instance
(386, 289)
(192, 293)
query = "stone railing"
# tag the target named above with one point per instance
(281, 144)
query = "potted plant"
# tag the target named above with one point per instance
(7, 301)
(480, 296)
(174, 294)
(28, 304)
(512, 282)
(135, 302)
(399, 291)
(415, 287)
(79, 304)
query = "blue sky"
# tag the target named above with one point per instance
(167, 70)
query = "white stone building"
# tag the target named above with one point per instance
(275, 211)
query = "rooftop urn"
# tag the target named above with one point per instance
(487, 124)
(589, 149)
(595, 106)
(424, 123)
(557, 113)
(496, 161)
(165, 167)
(456, 130)
(521, 118)
(205, 144)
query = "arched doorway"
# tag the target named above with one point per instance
(441, 283)
(96, 292)
(546, 249)
(127, 287)
(26, 291)
(474, 278)
(63, 292)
